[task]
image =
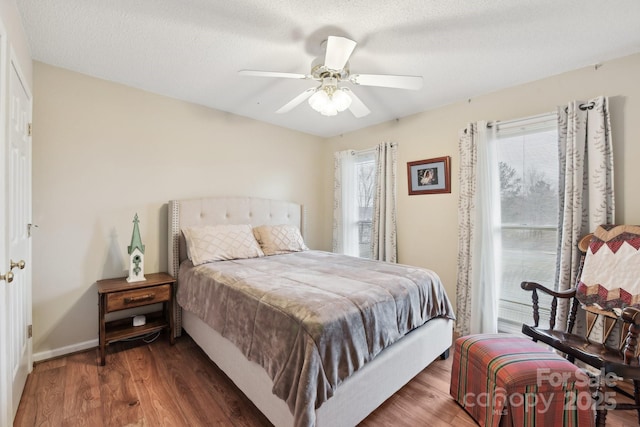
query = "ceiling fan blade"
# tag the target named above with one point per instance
(339, 50)
(357, 107)
(296, 101)
(398, 82)
(254, 73)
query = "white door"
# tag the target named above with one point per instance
(5, 383)
(16, 316)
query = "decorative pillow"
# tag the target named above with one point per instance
(610, 276)
(279, 239)
(220, 242)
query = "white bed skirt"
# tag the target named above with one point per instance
(355, 398)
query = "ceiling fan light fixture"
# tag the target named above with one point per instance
(341, 100)
(329, 100)
(322, 103)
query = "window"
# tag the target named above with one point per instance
(527, 157)
(357, 188)
(354, 192)
(366, 182)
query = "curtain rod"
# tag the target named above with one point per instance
(583, 107)
(515, 122)
(370, 150)
(366, 150)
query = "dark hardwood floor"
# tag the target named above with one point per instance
(161, 385)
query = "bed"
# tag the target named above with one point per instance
(345, 393)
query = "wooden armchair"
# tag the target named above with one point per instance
(608, 289)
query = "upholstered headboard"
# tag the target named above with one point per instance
(222, 210)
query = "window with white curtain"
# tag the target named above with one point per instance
(353, 209)
(527, 161)
(366, 183)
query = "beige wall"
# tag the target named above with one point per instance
(103, 151)
(427, 224)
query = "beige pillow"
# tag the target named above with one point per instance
(220, 242)
(279, 239)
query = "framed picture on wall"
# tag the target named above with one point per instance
(430, 176)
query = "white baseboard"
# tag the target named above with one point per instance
(57, 352)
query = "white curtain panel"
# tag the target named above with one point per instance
(478, 233)
(586, 192)
(345, 237)
(383, 239)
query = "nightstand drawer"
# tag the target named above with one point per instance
(137, 297)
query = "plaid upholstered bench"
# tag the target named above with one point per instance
(509, 380)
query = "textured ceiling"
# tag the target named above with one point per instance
(193, 49)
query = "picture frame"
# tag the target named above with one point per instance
(429, 176)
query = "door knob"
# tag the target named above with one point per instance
(8, 277)
(20, 264)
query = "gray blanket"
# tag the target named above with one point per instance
(311, 318)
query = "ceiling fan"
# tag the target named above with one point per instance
(331, 96)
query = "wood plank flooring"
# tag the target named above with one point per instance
(161, 385)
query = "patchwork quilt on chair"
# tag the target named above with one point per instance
(604, 282)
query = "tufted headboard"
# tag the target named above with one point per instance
(222, 210)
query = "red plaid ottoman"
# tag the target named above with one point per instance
(508, 379)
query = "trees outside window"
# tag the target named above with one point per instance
(366, 181)
(528, 171)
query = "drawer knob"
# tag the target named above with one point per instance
(147, 297)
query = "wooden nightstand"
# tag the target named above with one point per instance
(118, 294)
